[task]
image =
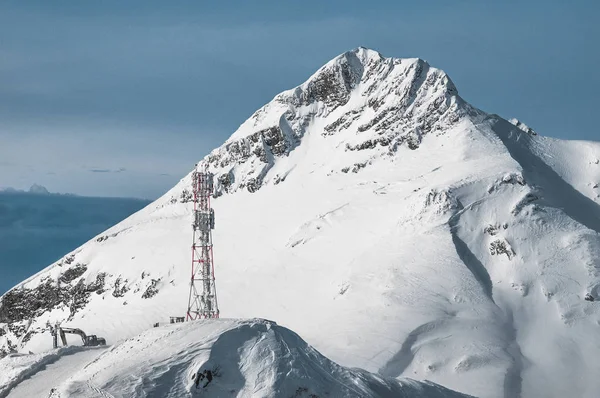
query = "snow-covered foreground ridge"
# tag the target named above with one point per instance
(376, 213)
(253, 358)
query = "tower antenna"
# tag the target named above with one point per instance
(202, 302)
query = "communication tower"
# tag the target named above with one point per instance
(202, 301)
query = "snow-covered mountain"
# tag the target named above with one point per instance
(391, 224)
(254, 358)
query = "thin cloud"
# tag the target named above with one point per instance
(119, 170)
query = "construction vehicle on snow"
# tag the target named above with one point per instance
(88, 341)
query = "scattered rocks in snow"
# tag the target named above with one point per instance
(98, 285)
(526, 200)
(469, 362)
(508, 179)
(521, 288)
(589, 297)
(368, 144)
(343, 122)
(79, 298)
(120, 287)
(73, 273)
(343, 288)
(413, 142)
(225, 181)
(358, 166)
(522, 126)
(105, 237)
(440, 201)
(501, 246)
(493, 229)
(513, 178)
(547, 293)
(186, 196)
(152, 289)
(279, 179)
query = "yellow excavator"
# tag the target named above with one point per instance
(88, 341)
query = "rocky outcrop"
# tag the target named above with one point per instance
(501, 246)
(24, 303)
(369, 102)
(152, 289)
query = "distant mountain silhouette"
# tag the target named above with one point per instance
(38, 189)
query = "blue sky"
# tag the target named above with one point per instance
(121, 98)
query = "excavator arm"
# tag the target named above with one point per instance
(79, 332)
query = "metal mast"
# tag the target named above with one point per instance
(202, 301)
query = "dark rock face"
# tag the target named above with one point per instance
(22, 303)
(73, 273)
(98, 285)
(499, 247)
(333, 85)
(120, 287)
(152, 290)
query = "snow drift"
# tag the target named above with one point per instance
(424, 237)
(253, 358)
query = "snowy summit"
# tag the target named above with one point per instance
(395, 227)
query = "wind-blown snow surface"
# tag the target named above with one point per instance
(391, 224)
(254, 358)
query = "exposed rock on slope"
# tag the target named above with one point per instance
(375, 102)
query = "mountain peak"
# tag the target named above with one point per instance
(358, 101)
(363, 54)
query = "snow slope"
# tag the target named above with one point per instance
(391, 224)
(253, 358)
(37, 378)
(19, 373)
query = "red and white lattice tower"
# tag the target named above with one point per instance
(202, 301)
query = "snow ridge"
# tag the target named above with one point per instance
(252, 358)
(359, 100)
